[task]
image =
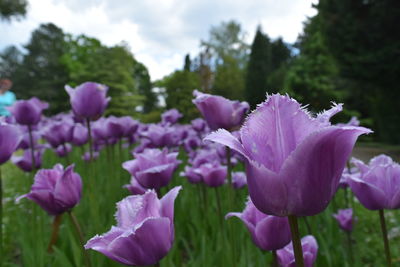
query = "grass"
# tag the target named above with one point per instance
(200, 239)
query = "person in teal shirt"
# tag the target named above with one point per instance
(7, 98)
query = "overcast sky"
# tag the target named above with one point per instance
(159, 32)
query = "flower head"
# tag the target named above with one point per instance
(56, 190)
(28, 112)
(293, 161)
(378, 184)
(153, 168)
(220, 112)
(145, 230)
(88, 100)
(345, 219)
(310, 250)
(10, 137)
(268, 232)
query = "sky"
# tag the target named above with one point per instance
(159, 32)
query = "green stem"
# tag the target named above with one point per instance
(308, 226)
(297, 248)
(274, 262)
(231, 191)
(54, 234)
(32, 146)
(66, 154)
(349, 241)
(78, 230)
(385, 237)
(90, 139)
(219, 207)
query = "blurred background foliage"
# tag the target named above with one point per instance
(348, 52)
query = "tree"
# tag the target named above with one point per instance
(363, 37)
(88, 60)
(229, 79)
(42, 73)
(144, 85)
(188, 63)
(258, 68)
(179, 88)
(312, 77)
(10, 9)
(229, 54)
(10, 60)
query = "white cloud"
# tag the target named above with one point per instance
(159, 33)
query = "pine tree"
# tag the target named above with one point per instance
(258, 68)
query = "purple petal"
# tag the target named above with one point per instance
(273, 233)
(225, 138)
(147, 245)
(275, 129)
(266, 189)
(167, 203)
(312, 172)
(133, 210)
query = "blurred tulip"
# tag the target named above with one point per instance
(220, 112)
(88, 100)
(134, 187)
(153, 168)
(24, 162)
(378, 185)
(267, 232)
(10, 137)
(345, 219)
(58, 133)
(171, 116)
(56, 190)
(191, 174)
(145, 230)
(213, 175)
(28, 112)
(80, 135)
(293, 161)
(238, 180)
(198, 124)
(310, 250)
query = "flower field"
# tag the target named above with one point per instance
(233, 188)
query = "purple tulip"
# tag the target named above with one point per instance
(58, 133)
(86, 156)
(25, 142)
(63, 150)
(310, 250)
(345, 219)
(220, 112)
(10, 137)
(145, 230)
(191, 174)
(160, 136)
(238, 180)
(28, 112)
(378, 185)
(121, 127)
(171, 116)
(80, 135)
(134, 187)
(198, 124)
(153, 168)
(205, 156)
(88, 100)
(267, 232)
(293, 161)
(213, 175)
(24, 162)
(56, 190)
